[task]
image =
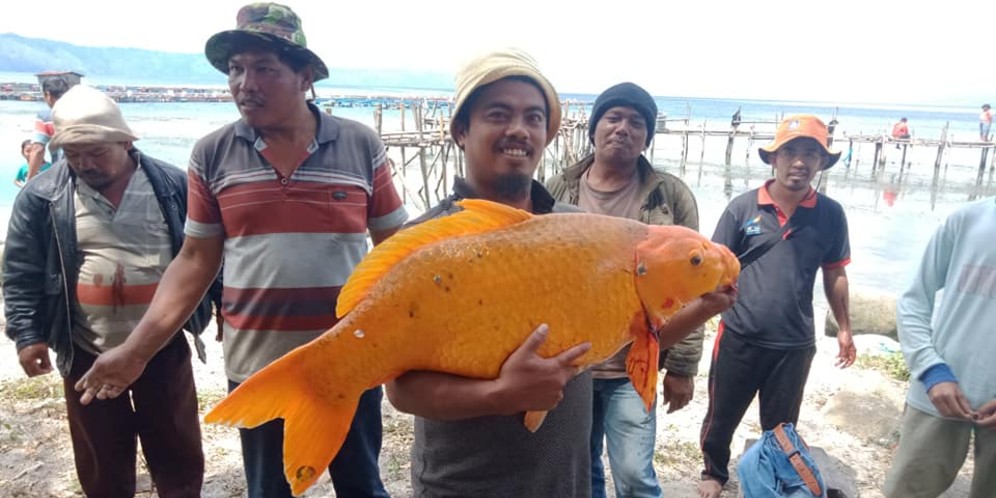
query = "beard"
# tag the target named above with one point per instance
(513, 186)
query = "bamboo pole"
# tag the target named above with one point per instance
(940, 149)
(702, 154)
(982, 168)
(684, 151)
(419, 126)
(877, 165)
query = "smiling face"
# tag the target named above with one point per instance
(503, 137)
(268, 91)
(620, 136)
(797, 162)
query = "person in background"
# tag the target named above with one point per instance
(766, 342)
(616, 179)
(900, 130)
(87, 246)
(286, 196)
(948, 348)
(53, 87)
(22, 174)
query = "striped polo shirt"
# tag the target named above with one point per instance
(290, 243)
(123, 254)
(44, 130)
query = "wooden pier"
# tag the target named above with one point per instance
(425, 159)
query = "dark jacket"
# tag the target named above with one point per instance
(41, 267)
(668, 202)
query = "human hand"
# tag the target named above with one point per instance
(529, 382)
(111, 374)
(678, 391)
(847, 353)
(719, 300)
(986, 416)
(950, 401)
(34, 359)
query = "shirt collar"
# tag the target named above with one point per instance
(328, 129)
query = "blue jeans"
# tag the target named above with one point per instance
(354, 470)
(765, 471)
(619, 417)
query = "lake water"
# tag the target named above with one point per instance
(888, 233)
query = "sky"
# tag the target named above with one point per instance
(842, 51)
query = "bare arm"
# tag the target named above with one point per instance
(527, 382)
(835, 286)
(379, 236)
(183, 285)
(695, 314)
(36, 157)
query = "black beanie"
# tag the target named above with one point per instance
(629, 95)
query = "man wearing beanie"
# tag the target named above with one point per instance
(87, 246)
(287, 196)
(616, 179)
(783, 232)
(469, 434)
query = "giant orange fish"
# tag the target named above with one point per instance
(459, 294)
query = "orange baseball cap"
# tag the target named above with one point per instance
(800, 126)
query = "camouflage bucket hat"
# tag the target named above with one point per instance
(274, 25)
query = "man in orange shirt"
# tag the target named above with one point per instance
(901, 130)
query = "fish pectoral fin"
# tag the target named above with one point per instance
(641, 362)
(533, 420)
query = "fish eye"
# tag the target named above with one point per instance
(696, 260)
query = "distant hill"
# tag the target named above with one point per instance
(34, 55)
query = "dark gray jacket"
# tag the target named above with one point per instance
(41, 267)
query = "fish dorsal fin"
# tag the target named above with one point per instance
(477, 216)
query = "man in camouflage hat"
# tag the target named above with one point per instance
(287, 196)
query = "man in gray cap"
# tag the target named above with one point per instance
(87, 246)
(287, 196)
(616, 179)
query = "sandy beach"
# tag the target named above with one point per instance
(852, 414)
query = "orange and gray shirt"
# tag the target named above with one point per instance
(290, 242)
(123, 254)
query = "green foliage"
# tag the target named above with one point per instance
(892, 364)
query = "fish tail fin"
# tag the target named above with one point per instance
(533, 420)
(314, 428)
(641, 362)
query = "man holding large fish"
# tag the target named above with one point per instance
(442, 313)
(287, 195)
